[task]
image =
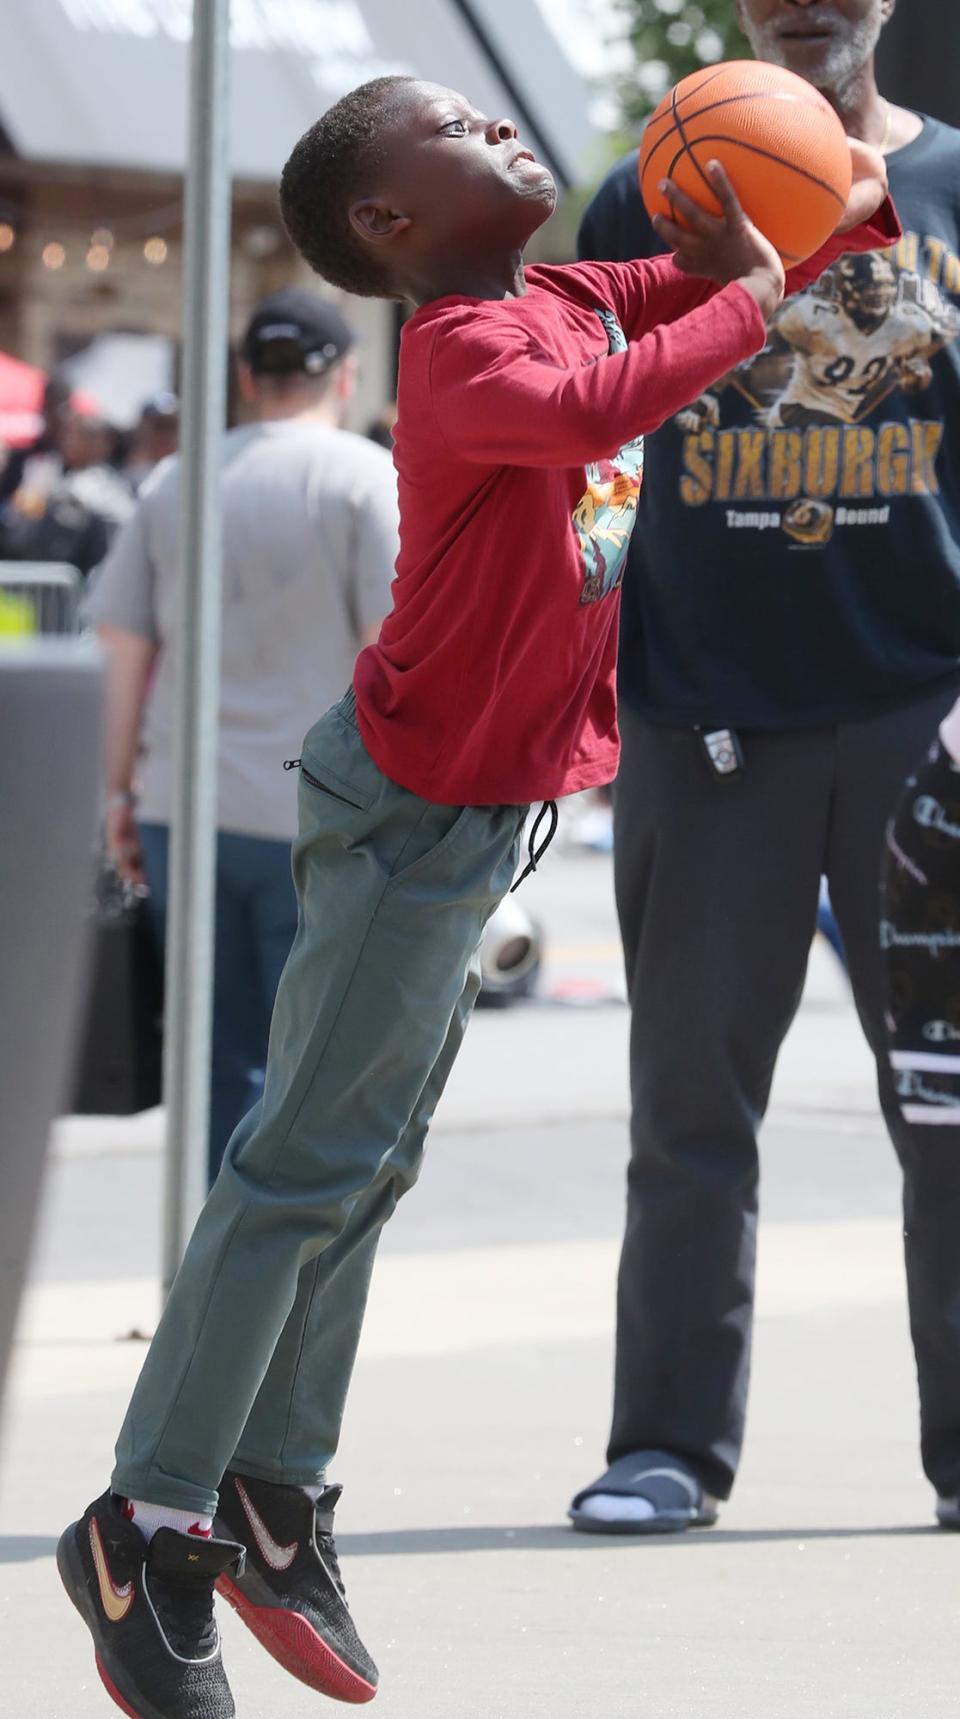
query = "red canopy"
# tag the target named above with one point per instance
(21, 402)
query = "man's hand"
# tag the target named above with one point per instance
(122, 840)
(703, 414)
(914, 375)
(725, 247)
(869, 188)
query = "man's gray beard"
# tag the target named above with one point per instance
(844, 58)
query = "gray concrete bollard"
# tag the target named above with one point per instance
(51, 699)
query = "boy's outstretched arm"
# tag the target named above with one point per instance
(500, 399)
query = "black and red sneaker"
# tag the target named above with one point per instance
(290, 1592)
(149, 1609)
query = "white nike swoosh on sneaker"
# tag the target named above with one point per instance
(278, 1557)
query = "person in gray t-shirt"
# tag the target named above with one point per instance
(310, 540)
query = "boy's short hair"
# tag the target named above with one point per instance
(328, 168)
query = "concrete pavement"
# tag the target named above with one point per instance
(482, 1394)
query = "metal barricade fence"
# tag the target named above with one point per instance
(50, 588)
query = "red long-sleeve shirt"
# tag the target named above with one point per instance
(519, 454)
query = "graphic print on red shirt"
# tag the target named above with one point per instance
(606, 513)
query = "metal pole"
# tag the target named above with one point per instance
(189, 969)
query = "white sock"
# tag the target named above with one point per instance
(149, 1517)
(612, 1507)
(950, 732)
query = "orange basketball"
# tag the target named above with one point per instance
(779, 139)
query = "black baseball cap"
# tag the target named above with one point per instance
(162, 405)
(293, 331)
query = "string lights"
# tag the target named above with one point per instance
(101, 246)
(98, 245)
(99, 250)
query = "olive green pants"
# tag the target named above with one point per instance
(252, 1358)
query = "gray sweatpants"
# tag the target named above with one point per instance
(251, 1361)
(717, 888)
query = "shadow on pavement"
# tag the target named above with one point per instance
(23, 1548)
(409, 1541)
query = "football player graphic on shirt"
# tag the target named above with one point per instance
(862, 332)
(838, 349)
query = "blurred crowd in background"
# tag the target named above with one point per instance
(64, 492)
(65, 489)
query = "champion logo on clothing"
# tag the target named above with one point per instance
(116, 1601)
(910, 1083)
(935, 941)
(606, 513)
(929, 813)
(278, 1557)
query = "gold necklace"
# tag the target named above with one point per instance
(885, 139)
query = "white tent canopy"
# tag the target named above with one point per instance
(104, 82)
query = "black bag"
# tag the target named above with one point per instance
(67, 531)
(119, 1069)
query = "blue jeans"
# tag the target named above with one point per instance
(256, 917)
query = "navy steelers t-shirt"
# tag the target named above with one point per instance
(797, 554)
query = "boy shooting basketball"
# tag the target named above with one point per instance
(492, 686)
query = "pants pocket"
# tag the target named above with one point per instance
(345, 792)
(323, 780)
(434, 835)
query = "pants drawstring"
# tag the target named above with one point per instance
(548, 809)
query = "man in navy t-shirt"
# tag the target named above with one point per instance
(790, 641)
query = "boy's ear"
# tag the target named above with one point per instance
(376, 222)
